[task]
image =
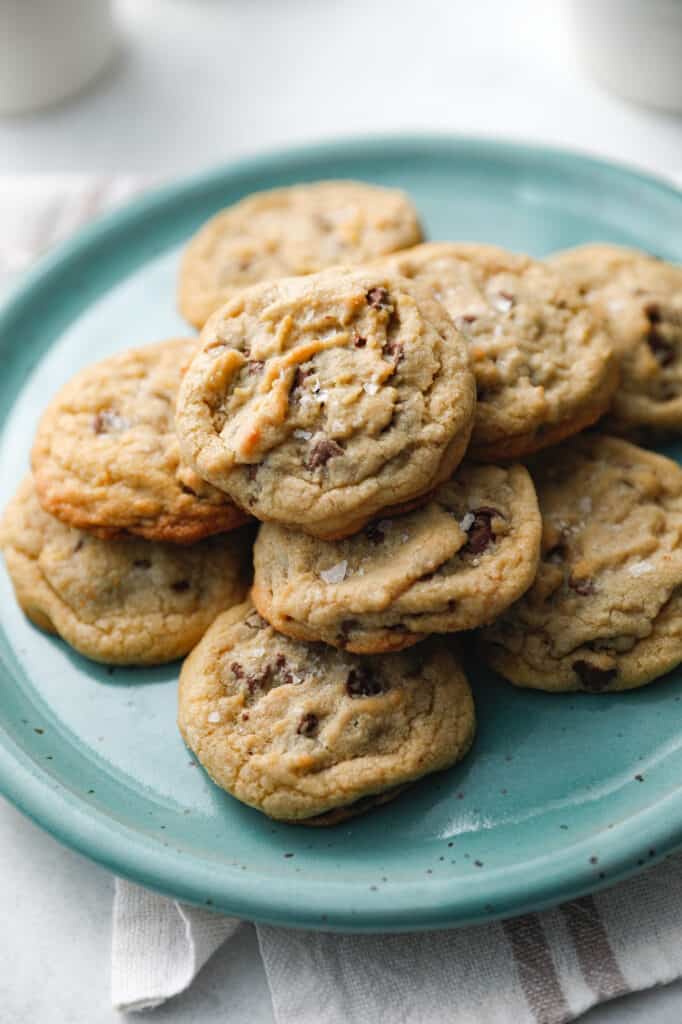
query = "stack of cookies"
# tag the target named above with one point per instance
(373, 446)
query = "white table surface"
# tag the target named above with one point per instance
(201, 81)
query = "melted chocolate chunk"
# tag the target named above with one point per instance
(661, 349)
(237, 670)
(257, 680)
(374, 534)
(362, 683)
(300, 376)
(283, 670)
(592, 676)
(252, 471)
(359, 341)
(394, 350)
(481, 533)
(144, 563)
(344, 629)
(321, 452)
(378, 298)
(308, 725)
(255, 365)
(584, 586)
(180, 586)
(653, 313)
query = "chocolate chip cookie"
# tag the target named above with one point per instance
(106, 458)
(317, 402)
(299, 730)
(640, 298)
(291, 231)
(125, 602)
(453, 564)
(544, 367)
(605, 612)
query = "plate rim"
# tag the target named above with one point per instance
(72, 820)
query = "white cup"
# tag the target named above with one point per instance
(50, 49)
(633, 47)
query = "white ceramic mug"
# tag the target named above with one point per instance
(50, 49)
(633, 47)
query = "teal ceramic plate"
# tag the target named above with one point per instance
(560, 795)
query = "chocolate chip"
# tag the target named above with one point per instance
(592, 676)
(378, 298)
(300, 376)
(255, 365)
(584, 587)
(186, 489)
(144, 563)
(362, 683)
(344, 629)
(251, 471)
(257, 680)
(480, 532)
(308, 725)
(180, 586)
(281, 667)
(394, 350)
(237, 670)
(662, 351)
(359, 341)
(652, 312)
(321, 452)
(374, 534)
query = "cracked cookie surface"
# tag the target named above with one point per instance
(106, 458)
(300, 730)
(124, 602)
(544, 367)
(640, 298)
(318, 402)
(453, 564)
(290, 231)
(605, 612)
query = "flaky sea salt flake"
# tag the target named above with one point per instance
(336, 574)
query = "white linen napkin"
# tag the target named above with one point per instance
(544, 968)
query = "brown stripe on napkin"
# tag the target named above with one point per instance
(595, 955)
(536, 970)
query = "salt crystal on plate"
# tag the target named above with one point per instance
(467, 521)
(336, 573)
(214, 716)
(370, 389)
(304, 435)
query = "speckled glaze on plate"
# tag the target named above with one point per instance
(561, 794)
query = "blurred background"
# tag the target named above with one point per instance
(179, 85)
